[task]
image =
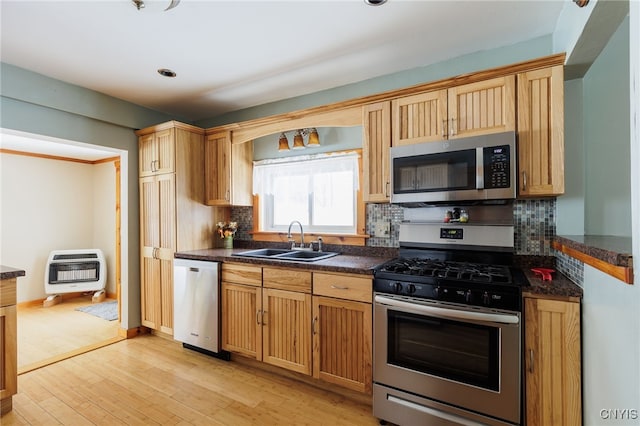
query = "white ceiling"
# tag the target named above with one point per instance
(234, 54)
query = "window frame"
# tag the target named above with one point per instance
(357, 239)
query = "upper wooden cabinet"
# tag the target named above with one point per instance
(173, 216)
(157, 152)
(467, 110)
(552, 362)
(376, 124)
(541, 132)
(228, 171)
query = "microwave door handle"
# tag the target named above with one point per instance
(438, 312)
(479, 168)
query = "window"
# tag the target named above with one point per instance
(320, 191)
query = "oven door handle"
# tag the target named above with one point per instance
(436, 311)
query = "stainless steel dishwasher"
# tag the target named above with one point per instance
(196, 305)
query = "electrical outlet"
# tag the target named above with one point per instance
(382, 229)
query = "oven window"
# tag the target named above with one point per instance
(435, 172)
(467, 353)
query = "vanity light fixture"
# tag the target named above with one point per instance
(298, 139)
(298, 142)
(283, 142)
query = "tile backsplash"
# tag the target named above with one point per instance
(534, 222)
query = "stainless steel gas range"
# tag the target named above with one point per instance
(447, 328)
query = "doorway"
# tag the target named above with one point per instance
(60, 194)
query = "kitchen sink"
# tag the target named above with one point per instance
(284, 254)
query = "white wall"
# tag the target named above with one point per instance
(52, 205)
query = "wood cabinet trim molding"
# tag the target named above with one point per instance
(173, 124)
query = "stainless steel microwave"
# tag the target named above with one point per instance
(478, 168)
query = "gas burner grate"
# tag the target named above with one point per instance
(458, 271)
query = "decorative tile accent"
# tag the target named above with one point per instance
(244, 216)
(572, 268)
(535, 226)
(391, 213)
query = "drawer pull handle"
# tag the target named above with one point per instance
(338, 287)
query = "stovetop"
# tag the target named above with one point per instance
(461, 271)
(468, 283)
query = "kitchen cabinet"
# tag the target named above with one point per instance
(157, 152)
(541, 132)
(342, 330)
(286, 318)
(376, 124)
(241, 299)
(8, 344)
(268, 319)
(173, 215)
(552, 362)
(472, 109)
(228, 171)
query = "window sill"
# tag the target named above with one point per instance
(340, 239)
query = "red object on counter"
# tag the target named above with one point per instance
(545, 273)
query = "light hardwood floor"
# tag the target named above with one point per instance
(47, 335)
(152, 380)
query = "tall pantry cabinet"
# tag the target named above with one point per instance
(173, 216)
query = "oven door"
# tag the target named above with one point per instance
(464, 356)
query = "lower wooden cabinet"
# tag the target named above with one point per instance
(327, 334)
(286, 331)
(342, 342)
(8, 344)
(552, 361)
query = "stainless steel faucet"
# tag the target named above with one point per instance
(290, 238)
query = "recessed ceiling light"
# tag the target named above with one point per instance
(166, 72)
(375, 2)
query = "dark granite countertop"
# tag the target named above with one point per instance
(560, 287)
(361, 263)
(613, 250)
(346, 263)
(7, 272)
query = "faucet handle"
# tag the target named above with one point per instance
(318, 241)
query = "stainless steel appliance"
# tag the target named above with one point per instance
(447, 328)
(474, 168)
(196, 304)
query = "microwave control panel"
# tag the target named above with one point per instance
(497, 167)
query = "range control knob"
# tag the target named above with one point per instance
(397, 287)
(486, 299)
(437, 292)
(468, 296)
(411, 289)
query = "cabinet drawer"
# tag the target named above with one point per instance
(242, 274)
(287, 279)
(343, 286)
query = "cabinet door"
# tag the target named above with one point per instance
(157, 240)
(157, 153)
(342, 342)
(241, 319)
(217, 169)
(147, 155)
(482, 108)
(420, 118)
(552, 362)
(376, 120)
(286, 325)
(541, 132)
(8, 354)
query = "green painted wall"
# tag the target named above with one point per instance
(606, 139)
